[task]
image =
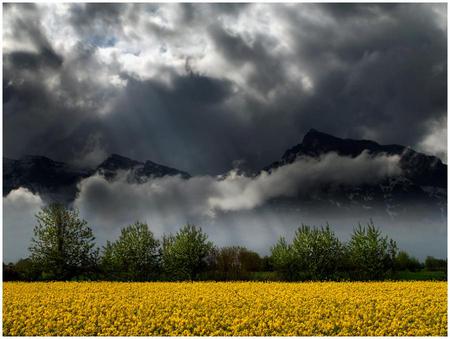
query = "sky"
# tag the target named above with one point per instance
(213, 88)
(205, 88)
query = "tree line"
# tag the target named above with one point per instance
(63, 248)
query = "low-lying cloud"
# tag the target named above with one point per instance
(207, 195)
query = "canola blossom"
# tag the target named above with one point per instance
(223, 309)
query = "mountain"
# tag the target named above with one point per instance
(137, 172)
(423, 180)
(422, 184)
(424, 170)
(57, 181)
(53, 180)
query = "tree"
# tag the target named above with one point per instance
(63, 245)
(28, 270)
(186, 253)
(371, 255)
(235, 262)
(135, 255)
(227, 263)
(250, 260)
(405, 262)
(10, 273)
(283, 260)
(433, 264)
(318, 252)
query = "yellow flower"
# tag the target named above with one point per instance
(223, 309)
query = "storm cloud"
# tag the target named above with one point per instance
(201, 87)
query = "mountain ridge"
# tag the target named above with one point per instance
(423, 178)
(425, 169)
(57, 181)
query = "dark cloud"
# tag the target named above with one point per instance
(96, 19)
(33, 61)
(202, 86)
(391, 70)
(176, 125)
(28, 28)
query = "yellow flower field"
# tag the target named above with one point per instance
(240, 308)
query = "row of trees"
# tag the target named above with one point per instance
(316, 253)
(63, 248)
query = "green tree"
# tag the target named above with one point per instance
(433, 264)
(10, 273)
(135, 255)
(371, 255)
(283, 260)
(186, 254)
(318, 252)
(403, 261)
(227, 263)
(235, 262)
(63, 245)
(27, 269)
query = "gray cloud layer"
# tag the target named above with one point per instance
(206, 195)
(200, 86)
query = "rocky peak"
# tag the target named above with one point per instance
(424, 170)
(118, 162)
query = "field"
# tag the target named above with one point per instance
(240, 308)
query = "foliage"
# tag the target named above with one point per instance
(371, 256)
(63, 245)
(235, 263)
(420, 275)
(225, 309)
(283, 260)
(135, 255)
(403, 261)
(318, 252)
(433, 264)
(63, 249)
(10, 273)
(186, 254)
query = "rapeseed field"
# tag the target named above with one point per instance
(229, 308)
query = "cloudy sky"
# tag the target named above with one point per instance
(204, 87)
(208, 88)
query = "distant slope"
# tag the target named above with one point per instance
(422, 184)
(53, 180)
(423, 181)
(57, 181)
(138, 172)
(422, 169)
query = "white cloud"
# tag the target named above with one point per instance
(435, 142)
(19, 209)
